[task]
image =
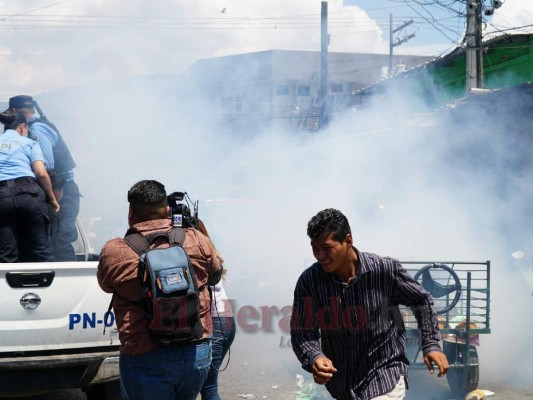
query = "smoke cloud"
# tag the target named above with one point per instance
(419, 184)
(415, 184)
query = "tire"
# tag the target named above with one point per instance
(104, 391)
(461, 380)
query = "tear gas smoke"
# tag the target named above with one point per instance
(413, 188)
(450, 191)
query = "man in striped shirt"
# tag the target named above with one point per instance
(346, 327)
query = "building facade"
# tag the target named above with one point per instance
(281, 88)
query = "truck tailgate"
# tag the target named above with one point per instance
(48, 306)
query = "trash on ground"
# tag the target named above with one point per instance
(300, 380)
(308, 392)
(478, 394)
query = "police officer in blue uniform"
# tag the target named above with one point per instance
(59, 163)
(24, 226)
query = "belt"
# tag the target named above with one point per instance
(184, 343)
(18, 181)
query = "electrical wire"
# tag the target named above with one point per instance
(434, 23)
(35, 9)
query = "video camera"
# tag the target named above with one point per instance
(180, 210)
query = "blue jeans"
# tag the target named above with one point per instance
(169, 373)
(223, 335)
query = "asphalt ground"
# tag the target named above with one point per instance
(267, 369)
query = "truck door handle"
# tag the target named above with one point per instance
(30, 279)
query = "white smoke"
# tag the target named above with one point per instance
(412, 189)
(125, 120)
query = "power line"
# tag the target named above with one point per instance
(433, 23)
(514, 28)
(35, 9)
(338, 20)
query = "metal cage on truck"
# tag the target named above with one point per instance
(461, 293)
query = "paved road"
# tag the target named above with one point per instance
(270, 372)
(264, 389)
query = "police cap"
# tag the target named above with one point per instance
(21, 101)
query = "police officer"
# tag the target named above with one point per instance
(59, 164)
(24, 226)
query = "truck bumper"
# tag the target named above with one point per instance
(51, 372)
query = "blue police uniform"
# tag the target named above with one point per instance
(24, 224)
(58, 158)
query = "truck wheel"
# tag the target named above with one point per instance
(104, 391)
(461, 379)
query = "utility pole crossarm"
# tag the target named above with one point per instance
(405, 39)
(402, 26)
(393, 44)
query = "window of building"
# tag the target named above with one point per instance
(238, 103)
(304, 90)
(336, 88)
(282, 90)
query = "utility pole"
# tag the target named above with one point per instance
(474, 54)
(470, 36)
(393, 44)
(479, 38)
(323, 94)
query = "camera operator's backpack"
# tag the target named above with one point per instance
(169, 289)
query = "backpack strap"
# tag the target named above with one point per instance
(177, 236)
(138, 243)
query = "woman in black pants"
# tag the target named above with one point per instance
(24, 189)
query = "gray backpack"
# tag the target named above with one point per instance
(168, 287)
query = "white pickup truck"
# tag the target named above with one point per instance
(52, 318)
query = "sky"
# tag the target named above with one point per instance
(87, 62)
(48, 44)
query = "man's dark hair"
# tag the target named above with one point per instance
(328, 221)
(147, 198)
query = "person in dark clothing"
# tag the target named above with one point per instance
(24, 226)
(59, 164)
(346, 327)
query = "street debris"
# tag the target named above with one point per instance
(300, 380)
(307, 390)
(478, 394)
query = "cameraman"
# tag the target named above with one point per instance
(148, 369)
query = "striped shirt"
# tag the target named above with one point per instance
(358, 325)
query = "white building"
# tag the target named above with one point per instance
(247, 92)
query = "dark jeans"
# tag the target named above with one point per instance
(24, 225)
(64, 231)
(169, 373)
(223, 335)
